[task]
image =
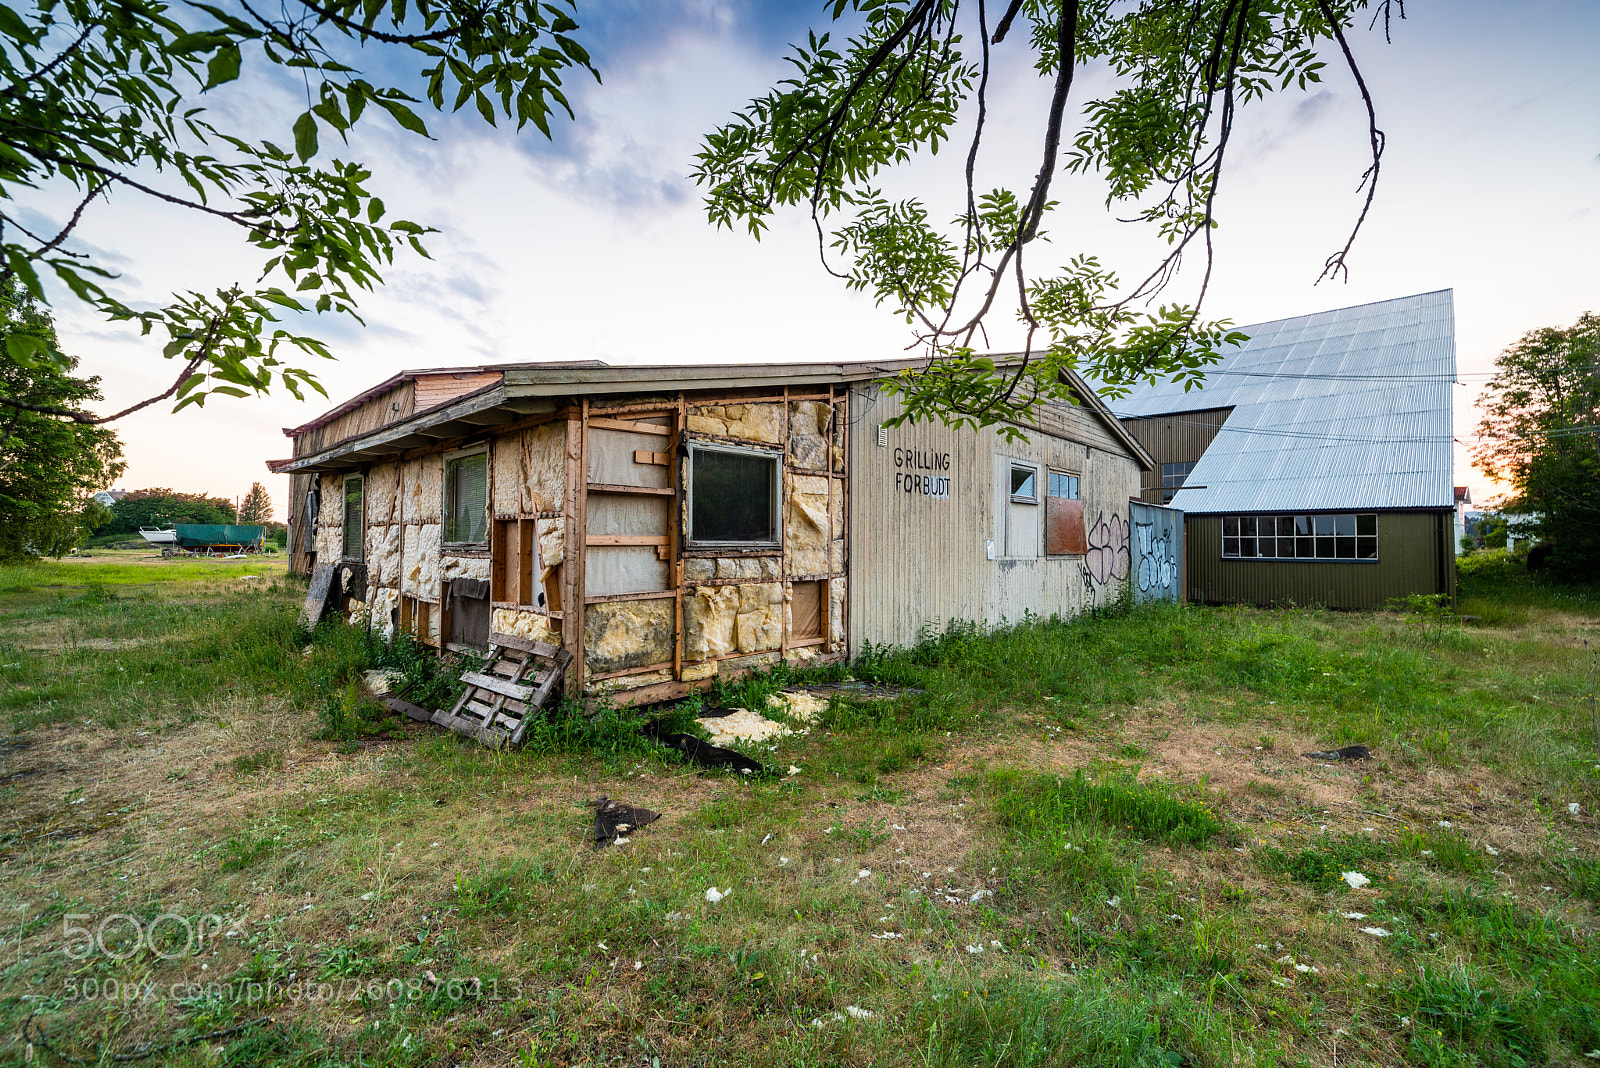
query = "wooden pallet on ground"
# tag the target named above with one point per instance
(517, 678)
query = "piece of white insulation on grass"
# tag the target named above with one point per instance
(1375, 932)
(713, 895)
(1355, 879)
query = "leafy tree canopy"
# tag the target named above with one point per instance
(1541, 433)
(917, 76)
(163, 507)
(108, 99)
(49, 466)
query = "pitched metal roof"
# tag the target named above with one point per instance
(1344, 409)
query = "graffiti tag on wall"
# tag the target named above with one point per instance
(1107, 556)
(1158, 562)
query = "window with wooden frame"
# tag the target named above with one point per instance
(466, 499)
(734, 495)
(354, 517)
(1064, 533)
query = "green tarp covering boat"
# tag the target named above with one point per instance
(198, 535)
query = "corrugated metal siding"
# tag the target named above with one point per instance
(1174, 440)
(1343, 409)
(1414, 556)
(918, 560)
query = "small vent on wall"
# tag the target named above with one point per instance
(883, 436)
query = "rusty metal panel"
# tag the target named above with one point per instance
(1063, 528)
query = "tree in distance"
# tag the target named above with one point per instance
(108, 100)
(256, 508)
(162, 507)
(917, 76)
(1541, 432)
(49, 467)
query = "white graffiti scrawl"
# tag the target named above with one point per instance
(1158, 564)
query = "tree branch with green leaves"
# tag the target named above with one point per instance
(908, 81)
(109, 100)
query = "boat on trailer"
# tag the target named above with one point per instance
(159, 535)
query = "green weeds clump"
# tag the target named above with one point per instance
(1039, 805)
(1320, 865)
(1138, 1023)
(1446, 850)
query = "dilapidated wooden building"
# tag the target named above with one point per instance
(669, 524)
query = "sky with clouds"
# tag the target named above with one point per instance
(593, 244)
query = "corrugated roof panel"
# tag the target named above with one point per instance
(1349, 408)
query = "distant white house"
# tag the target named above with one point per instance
(1463, 502)
(110, 497)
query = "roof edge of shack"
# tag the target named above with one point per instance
(527, 389)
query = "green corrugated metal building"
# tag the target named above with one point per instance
(1315, 466)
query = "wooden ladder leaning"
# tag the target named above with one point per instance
(518, 677)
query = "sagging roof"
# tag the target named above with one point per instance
(530, 388)
(1344, 409)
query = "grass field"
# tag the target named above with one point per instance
(1090, 842)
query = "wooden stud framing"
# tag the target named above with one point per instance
(676, 474)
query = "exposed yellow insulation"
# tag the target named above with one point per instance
(530, 625)
(509, 470)
(702, 670)
(630, 682)
(464, 567)
(809, 426)
(801, 656)
(358, 613)
(330, 540)
(546, 481)
(806, 529)
(626, 634)
(419, 569)
(759, 624)
(836, 611)
(743, 568)
(383, 555)
(752, 422)
(734, 665)
(422, 485)
(709, 615)
(384, 602)
(379, 488)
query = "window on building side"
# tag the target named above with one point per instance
(1021, 518)
(733, 496)
(1300, 537)
(354, 513)
(466, 499)
(1024, 484)
(1064, 533)
(1173, 477)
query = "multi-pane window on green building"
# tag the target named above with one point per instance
(1300, 537)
